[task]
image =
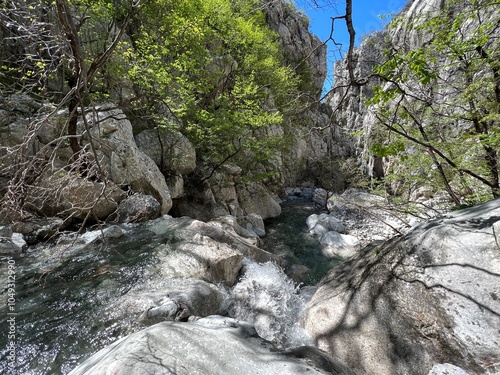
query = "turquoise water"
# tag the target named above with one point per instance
(62, 312)
(287, 235)
(64, 299)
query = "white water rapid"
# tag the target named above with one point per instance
(268, 299)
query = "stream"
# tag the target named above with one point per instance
(287, 235)
(67, 302)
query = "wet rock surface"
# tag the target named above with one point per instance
(417, 300)
(213, 345)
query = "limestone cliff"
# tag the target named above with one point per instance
(316, 143)
(196, 185)
(405, 34)
(314, 148)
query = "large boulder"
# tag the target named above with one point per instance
(158, 300)
(70, 196)
(334, 244)
(136, 208)
(322, 223)
(427, 298)
(189, 230)
(171, 151)
(127, 165)
(213, 345)
(203, 258)
(192, 298)
(254, 223)
(255, 199)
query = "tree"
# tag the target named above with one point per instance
(53, 55)
(81, 77)
(438, 108)
(212, 70)
(216, 67)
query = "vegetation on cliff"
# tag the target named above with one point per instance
(437, 108)
(211, 70)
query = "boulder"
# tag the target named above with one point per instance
(213, 345)
(254, 223)
(71, 196)
(158, 300)
(170, 150)
(230, 224)
(416, 301)
(203, 258)
(322, 223)
(188, 229)
(137, 208)
(12, 244)
(255, 199)
(184, 299)
(127, 165)
(339, 245)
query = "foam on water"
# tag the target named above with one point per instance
(268, 299)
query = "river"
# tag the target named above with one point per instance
(64, 298)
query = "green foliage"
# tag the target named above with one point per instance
(438, 108)
(216, 66)
(387, 149)
(212, 69)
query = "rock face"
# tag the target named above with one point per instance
(298, 43)
(349, 101)
(161, 163)
(428, 298)
(137, 208)
(170, 151)
(128, 165)
(349, 104)
(315, 141)
(225, 194)
(213, 345)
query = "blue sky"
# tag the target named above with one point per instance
(366, 19)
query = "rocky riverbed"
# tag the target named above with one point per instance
(160, 296)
